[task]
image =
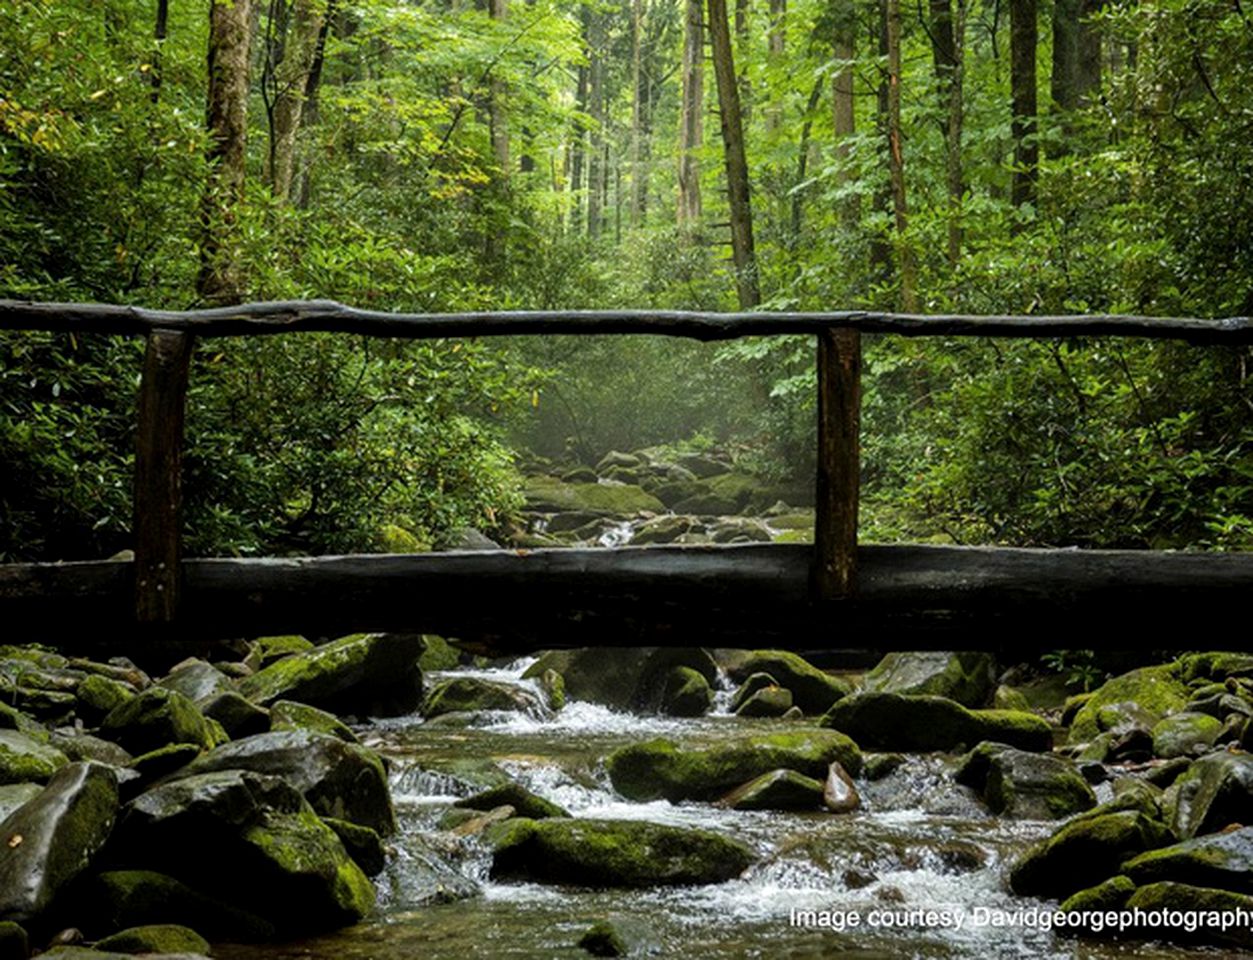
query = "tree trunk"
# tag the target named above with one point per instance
(943, 56)
(746, 282)
(1064, 78)
(802, 165)
(1023, 36)
(499, 116)
(160, 30)
(1088, 71)
(309, 116)
(775, 46)
(578, 144)
(904, 257)
(691, 115)
(843, 112)
(291, 84)
(880, 249)
(596, 107)
(953, 167)
(220, 279)
(637, 113)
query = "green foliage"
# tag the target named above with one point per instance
(1079, 667)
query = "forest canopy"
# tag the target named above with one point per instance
(959, 156)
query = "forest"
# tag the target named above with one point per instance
(432, 155)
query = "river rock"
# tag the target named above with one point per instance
(266, 650)
(662, 768)
(663, 529)
(1110, 894)
(766, 702)
(524, 802)
(197, 680)
(812, 690)
(289, 715)
(613, 853)
(158, 717)
(422, 875)
(236, 714)
(99, 696)
(364, 845)
(14, 942)
(1222, 860)
(121, 899)
(475, 695)
(156, 938)
(47, 842)
(1197, 900)
(703, 503)
(685, 693)
(438, 653)
(1156, 692)
(839, 793)
(1084, 852)
(341, 780)
(1213, 793)
(750, 685)
(374, 674)
(1184, 734)
(623, 678)
(776, 790)
(1033, 786)
(965, 677)
(602, 939)
(891, 721)
(550, 495)
(15, 795)
(23, 759)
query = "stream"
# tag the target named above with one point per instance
(919, 843)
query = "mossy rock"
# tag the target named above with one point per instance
(373, 674)
(265, 650)
(965, 677)
(23, 759)
(364, 845)
(438, 654)
(750, 685)
(85, 746)
(120, 899)
(623, 678)
(738, 488)
(98, 696)
(602, 939)
(158, 717)
(524, 802)
(1185, 734)
(664, 529)
(1010, 698)
(890, 721)
(706, 504)
(13, 719)
(1017, 783)
(662, 768)
(1085, 852)
(235, 714)
(289, 715)
(156, 938)
(15, 795)
(1216, 791)
(1110, 894)
(1214, 665)
(61, 831)
(197, 680)
(475, 695)
(766, 702)
(813, 690)
(1158, 691)
(674, 492)
(155, 764)
(777, 790)
(14, 941)
(685, 693)
(1222, 860)
(1185, 898)
(549, 495)
(876, 766)
(614, 853)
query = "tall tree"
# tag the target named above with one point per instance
(948, 42)
(221, 272)
(596, 107)
(1088, 72)
(844, 114)
(896, 156)
(747, 286)
(638, 100)
(1064, 76)
(1023, 37)
(290, 57)
(498, 10)
(691, 116)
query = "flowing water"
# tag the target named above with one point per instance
(920, 843)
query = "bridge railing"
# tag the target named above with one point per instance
(833, 569)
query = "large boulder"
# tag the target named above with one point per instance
(197, 680)
(121, 899)
(777, 790)
(475, 694)
(1156, 692)
(1017, 783)
(1086, 851)
(812, 690)
(524, 802)
(685, 693)
(891, 721)
(662, 768)
(1185, 899)
(966, 677)
(624, 678)
(1185, 734)
(1213, 793)
(341, 780)
(156, 718)
(1223, 860)
(373, 674)
(550, 495)
(614, 853)
(46, 843)
(23, 759)
(156, 938)
(289, 715)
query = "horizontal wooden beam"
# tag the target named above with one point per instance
(909, 597)
(328, 316)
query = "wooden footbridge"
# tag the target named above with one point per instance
(836, 593)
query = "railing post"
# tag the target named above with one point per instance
(158, 476)
(839, 463)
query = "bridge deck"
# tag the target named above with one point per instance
(908, 597)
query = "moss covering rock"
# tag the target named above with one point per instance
(613, 853)
(364, 845)
(812, 690)
(623, 678)
(685, 693)
(1216, 791)
(1157, 691)
(666, 769)
(119, 899)
(1110, 894)
(438, 654)
(550, 495)
(524, 802)
(776, 790)
(891, 721)
(197, 680)
(766, 702)
(1197, 900)
(98, 696)
(966, 677)
(1185, 734)
(1222, 860)
(265, 650)
(475, 695)
(602, 939)
(289, 715)
(23, 759)
(48, 841)
(374, 674)
(14, 795)
(1085, 852)
(156, 718)
(14, 941)
(1017, 783)
(156, 938)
